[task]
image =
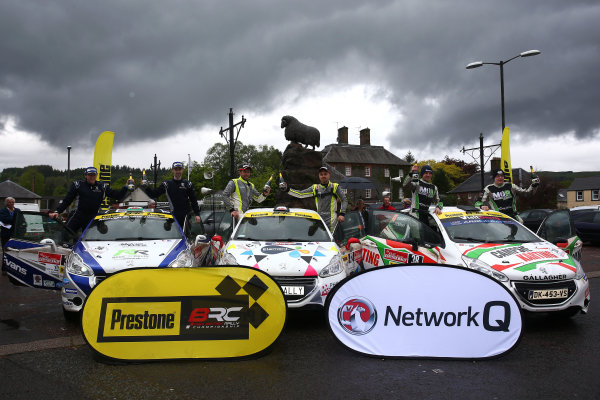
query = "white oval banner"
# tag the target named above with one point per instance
(434, 311)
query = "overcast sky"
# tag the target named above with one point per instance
(163, 74)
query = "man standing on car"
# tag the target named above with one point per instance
(91, 193)
(424, 193)
(326, 195)
(502, 196)
(180, 193)
(240, 192)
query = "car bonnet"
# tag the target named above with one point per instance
(284, 258)
(523, 261)
(114, 256)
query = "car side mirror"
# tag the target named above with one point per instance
(49, 242)
(560, 242)
(351, 241)
(217, 239)
(200, 238)
(412, 242)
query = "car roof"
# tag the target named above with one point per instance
(132, 213)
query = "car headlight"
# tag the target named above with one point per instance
(228, 259)
(480, 266)
(334, 267)
(183, 260)
(76, 266)
(580, 272)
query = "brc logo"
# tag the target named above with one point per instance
(220, 314)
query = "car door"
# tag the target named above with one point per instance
(350, 250)
(36, 254)
(558, 228)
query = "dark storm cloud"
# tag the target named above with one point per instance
(71, 69)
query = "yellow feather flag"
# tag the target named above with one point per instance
(103, 160)
(505, 157)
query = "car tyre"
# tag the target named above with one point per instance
(72, 316)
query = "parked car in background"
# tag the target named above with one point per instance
(587, 225)
(533, 218)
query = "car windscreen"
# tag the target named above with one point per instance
(134, 227)
(394, 226)
(282, 228)
(491, 227)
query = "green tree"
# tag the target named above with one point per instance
(33, 180)
(409, 158)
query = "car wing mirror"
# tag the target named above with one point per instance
(49, 242)
(560, 242)
(412, 242)
(217, 241)
(200, 239)
(351, 241)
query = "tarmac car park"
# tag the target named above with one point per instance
(44, 254)
(545, 276)
(292, 245)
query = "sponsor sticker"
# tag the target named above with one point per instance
(50, 258)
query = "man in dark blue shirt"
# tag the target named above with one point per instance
(180, 193)
(91, 193)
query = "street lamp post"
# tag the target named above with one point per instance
(478, 64)
(68, 166)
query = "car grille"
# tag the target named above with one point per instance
(308, 283)
(523, 289)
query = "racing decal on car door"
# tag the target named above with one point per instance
(181, 313)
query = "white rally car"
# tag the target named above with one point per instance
(41, 254)
(293, 246)
(543, 272)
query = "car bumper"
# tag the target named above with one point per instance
(315, 289)
(578, 295)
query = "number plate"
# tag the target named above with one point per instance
(293, 290)
(548, 294)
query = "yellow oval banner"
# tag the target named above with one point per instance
(184, 313)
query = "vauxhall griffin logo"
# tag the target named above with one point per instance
(357, 315)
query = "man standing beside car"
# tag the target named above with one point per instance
(91, 193)
(326, 194)
(502, 196)
(180, 193)
(424, 193)
(8, 215)
(240, 192)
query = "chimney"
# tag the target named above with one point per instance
(342, 135)
(365, 137)
(495, 164)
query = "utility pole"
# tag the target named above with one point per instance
(492, 147)
(231, 141)
(154, 167)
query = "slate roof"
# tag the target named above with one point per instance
(473, 183)
(10, 189)
(357, 154)
(591, 182)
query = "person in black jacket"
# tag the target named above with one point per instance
(91, 193)
(180, 193)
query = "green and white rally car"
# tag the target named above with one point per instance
(543, 271)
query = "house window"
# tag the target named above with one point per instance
(595, 194)
(367, 171)
(580, 195)
(367, 193)
(348, 170)
(469, 196)
(386, 189)
(386, 172)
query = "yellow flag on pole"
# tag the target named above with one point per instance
(103, 160)
(505, 157)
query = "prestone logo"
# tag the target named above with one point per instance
(357, 316)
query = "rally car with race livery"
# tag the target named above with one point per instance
(543, 272)
(43, 254)
(292, 245)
